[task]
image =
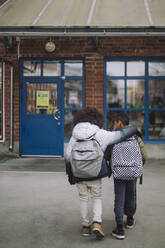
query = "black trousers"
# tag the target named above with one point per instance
(125, 199)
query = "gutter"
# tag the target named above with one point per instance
(81, 31)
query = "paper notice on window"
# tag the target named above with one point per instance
(73, 97)
(42, 99)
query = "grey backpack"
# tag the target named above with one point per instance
(86, 158)
(126, 160)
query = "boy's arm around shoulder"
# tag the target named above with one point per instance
(112, 137)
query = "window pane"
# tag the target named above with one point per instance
(32, 68)
(68, 123)
(157, 124)
(135, 93)
(41, 98)
(115, 68)
(157, 68)
(0, 72)
(110, 119)
(72, 68)
(51, 68)
(135, 68)
(136, 118)
(73, 93)
(115, 93)
(157, 93)
(1, 102)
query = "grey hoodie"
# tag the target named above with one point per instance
(85, 130)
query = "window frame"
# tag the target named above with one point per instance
(146, 79)
(82, 77)
(62, 77)
(2, 102)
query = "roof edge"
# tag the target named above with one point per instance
(82, 31)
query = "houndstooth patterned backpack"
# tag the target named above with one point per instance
(126, 160)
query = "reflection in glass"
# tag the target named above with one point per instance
(1, 97)
(110, 119)
(135, 93)
(137, 119)
(1, 126)
(157, 124)
(156, 68)
(51, 68)
(72, 68)
(135, 68)
(68, 123)
(1, 101)
(32, 68)
(41, 98)
(115, 68)
(157, 93)
(115, 93)
(73, 93)
(0, 72)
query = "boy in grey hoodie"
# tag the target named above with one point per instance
(88, 123)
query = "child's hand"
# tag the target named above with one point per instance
(71, 179)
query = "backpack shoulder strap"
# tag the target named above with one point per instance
(96, 141)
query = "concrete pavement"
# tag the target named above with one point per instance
(39, 209)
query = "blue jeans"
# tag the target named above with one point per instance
(125, 199)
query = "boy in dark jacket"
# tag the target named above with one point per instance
(125, 190)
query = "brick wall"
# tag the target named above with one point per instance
(2, 1)
(77, 47)
(133, 46)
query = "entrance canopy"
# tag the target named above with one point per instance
(82, 17)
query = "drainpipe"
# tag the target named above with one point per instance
(11, 101)
(11, 108)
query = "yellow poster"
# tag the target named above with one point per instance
(42, 99)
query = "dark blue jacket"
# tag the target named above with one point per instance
(72, 179)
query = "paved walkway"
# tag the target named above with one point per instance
(39, 209)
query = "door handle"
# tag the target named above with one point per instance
(56, 118)
(57, 115)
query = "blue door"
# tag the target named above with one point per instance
(41, 129)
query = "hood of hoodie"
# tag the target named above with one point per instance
(84, 130)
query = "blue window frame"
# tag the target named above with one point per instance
(1, 101)
(71, 72)
(74, 92)
(136, 86)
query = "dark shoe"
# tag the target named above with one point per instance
(97, 230)
(130, 223)
(86, 231)
(118, 232)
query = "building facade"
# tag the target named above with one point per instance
(45, 79)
